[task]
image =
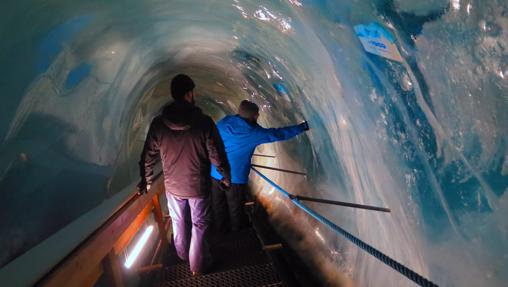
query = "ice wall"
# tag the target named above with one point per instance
(426, 137)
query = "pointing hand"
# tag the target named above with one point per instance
(305, 125)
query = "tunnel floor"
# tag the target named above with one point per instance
(255, 256)
(239, 260)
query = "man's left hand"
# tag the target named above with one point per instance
(142, 187)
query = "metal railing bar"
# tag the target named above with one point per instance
(263, 155)
(279, 169)
(341, 203)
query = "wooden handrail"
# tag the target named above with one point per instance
(98, 254)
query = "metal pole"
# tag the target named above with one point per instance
(263, 155)
(279, 169)
(341, 203)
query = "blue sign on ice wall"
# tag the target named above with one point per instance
(377, 40)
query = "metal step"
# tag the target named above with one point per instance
(176, 272)
(239, 260)
(247, 276)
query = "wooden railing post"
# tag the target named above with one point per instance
(113, 270)
(160, 221)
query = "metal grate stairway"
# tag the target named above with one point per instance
(239, 261)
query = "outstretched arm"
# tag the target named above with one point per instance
(149, 157)
(217, 152)
(282, 134)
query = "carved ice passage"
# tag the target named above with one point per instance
(427, 136)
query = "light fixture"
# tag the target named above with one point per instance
(138, 247)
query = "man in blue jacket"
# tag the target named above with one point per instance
(241, 135)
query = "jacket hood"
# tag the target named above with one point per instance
(180, 115)
(236, 125)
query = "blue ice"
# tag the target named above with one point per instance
(426, 136)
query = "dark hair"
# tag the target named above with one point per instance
(180, 85)
(248, 109)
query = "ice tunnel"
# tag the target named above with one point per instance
(424, 133)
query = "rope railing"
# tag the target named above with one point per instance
(397, 266)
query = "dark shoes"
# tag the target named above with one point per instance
(209, 267)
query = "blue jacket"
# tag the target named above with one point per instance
(241, 139)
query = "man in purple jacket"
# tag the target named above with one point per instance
(241, 135)
(187, 142)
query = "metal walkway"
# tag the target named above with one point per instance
(239, 261)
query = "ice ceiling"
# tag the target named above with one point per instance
(426, 137)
